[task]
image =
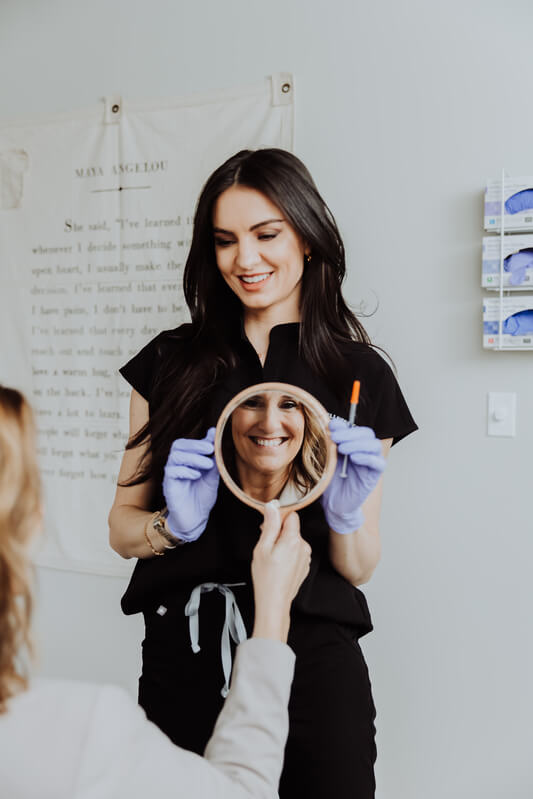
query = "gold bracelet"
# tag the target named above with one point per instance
(159, 520)
(154, 550)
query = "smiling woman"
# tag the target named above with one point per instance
(263, 285)
(268, 432)
(262, 262)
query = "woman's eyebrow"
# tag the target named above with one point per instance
(254, 227)
(266, 222)
(255, 398)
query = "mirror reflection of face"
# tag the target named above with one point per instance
(268, 432)
(275, 446)
(272, 442)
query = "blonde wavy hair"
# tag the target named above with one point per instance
(308, 466)
(20, 514)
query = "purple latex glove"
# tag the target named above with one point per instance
(521, 201)
(517, 264)
(344, 496)
(519, 324)
(190, 485)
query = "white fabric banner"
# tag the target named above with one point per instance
(95, 222)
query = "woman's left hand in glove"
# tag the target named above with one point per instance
(343, 498)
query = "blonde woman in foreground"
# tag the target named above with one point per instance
(67, 739)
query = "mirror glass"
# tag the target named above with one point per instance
(272, 442)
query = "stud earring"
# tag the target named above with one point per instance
(308, 257)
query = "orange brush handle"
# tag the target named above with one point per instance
(353, 406)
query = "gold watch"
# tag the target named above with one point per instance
(158, 523)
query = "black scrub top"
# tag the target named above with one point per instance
(223, 552)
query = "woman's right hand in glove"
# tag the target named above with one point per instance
(190, 485)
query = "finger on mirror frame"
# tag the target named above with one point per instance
(271, 511)
(291, 524)
(271, 520)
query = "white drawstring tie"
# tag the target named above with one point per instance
(233, 624)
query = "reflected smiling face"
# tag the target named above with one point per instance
(272, 442)
(268, 432)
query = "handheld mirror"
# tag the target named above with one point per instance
(272, 442)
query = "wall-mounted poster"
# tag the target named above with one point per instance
(95, 222)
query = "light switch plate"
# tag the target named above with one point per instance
(501, 414)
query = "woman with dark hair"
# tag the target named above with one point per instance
(263, 285)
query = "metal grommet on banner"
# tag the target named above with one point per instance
(113, 109)
(282, 88)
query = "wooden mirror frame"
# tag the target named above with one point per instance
(314, 406)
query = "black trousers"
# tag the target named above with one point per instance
(330, 751)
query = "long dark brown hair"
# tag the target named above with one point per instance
(190, 372)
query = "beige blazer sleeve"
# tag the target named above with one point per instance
(127, 756)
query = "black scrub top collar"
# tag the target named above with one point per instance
(282, 329)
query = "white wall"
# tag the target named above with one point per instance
(402, 110)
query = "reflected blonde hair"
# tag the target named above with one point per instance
(20, 513)
(308, 466)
